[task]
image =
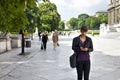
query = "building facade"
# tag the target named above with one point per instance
(114, 12)
(113, 25)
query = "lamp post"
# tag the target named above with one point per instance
(23, 41)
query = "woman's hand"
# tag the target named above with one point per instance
(83, 49)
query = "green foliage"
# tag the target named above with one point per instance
(49, 15)
(73, 23)
(88, 21)
(68, 25)
(80, 23)
(46, 27)
(46, 19)
(77, 23)
(62, 25)
(46, 0)
(103, 18)
(47, 7)
(92, 22)
(33, 18)
(12, 15)
(96, 32)
(84, 19)
(83, 16)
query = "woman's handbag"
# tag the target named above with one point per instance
(73, 60)
(41, 45)
(58, 44)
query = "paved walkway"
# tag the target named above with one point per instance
(54, 65)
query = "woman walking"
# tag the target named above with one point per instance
(55, 39)
(82, 46)
(44, 40)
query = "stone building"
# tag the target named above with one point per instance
(114, 14)
(113, 25)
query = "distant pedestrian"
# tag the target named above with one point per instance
(69, 33)
(44, 40)
(55, 39)
(82, 46)
(39, 35)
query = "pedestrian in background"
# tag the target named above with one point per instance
(39, 34)
(44, 40)
(82, 46)
(55, 39)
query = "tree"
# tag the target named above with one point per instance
(83, 16)
(12, 15)
(80, 23)
(103, 18)
(46, 0)
(49, 15)
(92, 22)
(88, 21)
(68, 25)
(73, 23)
(62, 25)
(33, 18)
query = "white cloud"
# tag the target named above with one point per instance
(72, 8)
(83, 4)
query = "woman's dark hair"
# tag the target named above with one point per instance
(84, 28)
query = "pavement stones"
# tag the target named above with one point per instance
(54, 65)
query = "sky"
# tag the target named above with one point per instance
(72, 8)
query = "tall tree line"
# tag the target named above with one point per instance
(25, 14)
(92, 22)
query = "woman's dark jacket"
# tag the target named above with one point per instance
(44, 38)
(76, 45)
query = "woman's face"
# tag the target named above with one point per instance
(83, 33)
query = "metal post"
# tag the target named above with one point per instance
(23, 41)
(23, 44)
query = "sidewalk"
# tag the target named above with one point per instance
(54, 65)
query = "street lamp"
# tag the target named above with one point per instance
(23, 41)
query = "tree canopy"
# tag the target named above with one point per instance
(12, 15)
(73, 23)
(33, 18)
(62, 25)
(49, 16)
(91, 21)
(25, 14)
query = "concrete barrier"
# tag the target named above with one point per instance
(2, 45)
(15, 42)
(8, 44)
(5, 44)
